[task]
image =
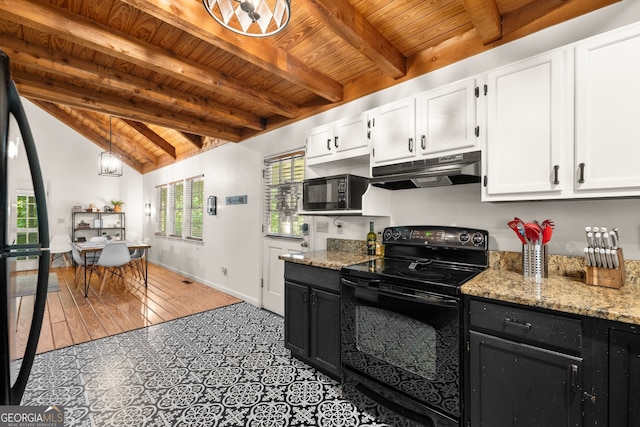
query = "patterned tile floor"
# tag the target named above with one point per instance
(224, 367)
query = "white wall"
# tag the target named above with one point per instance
(69, 164)
(232, 239)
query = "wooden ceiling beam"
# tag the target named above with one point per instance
(486, 19)
(30, 55)
(58, 92)
(153, 137)
(90, 34)
(191, 17)
(345, 21)
(196, 140)
(89, 133)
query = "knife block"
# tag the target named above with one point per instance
(607, 277)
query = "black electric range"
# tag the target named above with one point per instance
(431, 258)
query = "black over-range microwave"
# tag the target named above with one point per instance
(338, 192)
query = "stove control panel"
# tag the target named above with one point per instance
(439, 236)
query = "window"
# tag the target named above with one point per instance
(161, 209)
(283, 176)
(26, 220)
(175, 209)
(194, 209)
(180, 208)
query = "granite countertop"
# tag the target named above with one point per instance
(564, 290)
(331, 259)
(339, 253)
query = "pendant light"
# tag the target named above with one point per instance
(253, 18)
(109, 163)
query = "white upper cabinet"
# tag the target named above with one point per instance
(526, 122)
(607, 146)
(320, 142)
(393, 132)
(446, 119)
(340, 140)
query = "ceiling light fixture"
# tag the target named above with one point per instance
(253, 18)
(109, 163)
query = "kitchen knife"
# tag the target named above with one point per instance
(587, 259)
(615, 238)
(606, 240)
(598, 238)
(607, 255)
(596, 253)
(614, 258)
(590, 240)
(592, 256)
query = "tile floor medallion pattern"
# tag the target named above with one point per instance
(224, 367)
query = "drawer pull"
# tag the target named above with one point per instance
(517, 323)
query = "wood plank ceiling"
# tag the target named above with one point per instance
(174, 83)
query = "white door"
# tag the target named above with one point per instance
(273, 270)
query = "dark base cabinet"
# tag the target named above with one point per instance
(525, 367)
(312, 316)
(515, 384)
(624, 376)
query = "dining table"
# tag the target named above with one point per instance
(86, 248)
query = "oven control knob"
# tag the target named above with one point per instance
(464, 238)
(478, 239)
(396, 234)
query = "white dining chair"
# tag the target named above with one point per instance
(113, 258)
(138, 259)
(60, 247)
(80, 264)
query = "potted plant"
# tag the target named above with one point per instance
(117, 205)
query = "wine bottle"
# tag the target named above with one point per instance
(371, 240)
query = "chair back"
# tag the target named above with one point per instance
(60, 243)
(114, 254)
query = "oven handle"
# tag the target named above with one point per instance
(419, 296)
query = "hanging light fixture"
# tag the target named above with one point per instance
(254, 18)
(109, 163)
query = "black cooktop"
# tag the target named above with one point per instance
(427, 257)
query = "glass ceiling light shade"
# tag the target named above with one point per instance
(254, 18)
(109, 163)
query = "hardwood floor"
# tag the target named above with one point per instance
(70, 318)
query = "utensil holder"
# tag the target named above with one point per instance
(535, 261)
(607, 277)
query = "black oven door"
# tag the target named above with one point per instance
(401, 348)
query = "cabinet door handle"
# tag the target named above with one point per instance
(581, 173)
(555, 175)
(517, 323)
(575, 380)
(335, 141)
(329, 144)
(314, 298)
(305, 296)
(423, 142)
(411, 145)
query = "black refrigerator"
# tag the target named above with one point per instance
(24, 242)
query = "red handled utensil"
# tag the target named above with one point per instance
(514, 226)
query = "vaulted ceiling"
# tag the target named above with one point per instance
(174, 83)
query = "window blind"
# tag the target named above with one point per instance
(283, 176)
(194, 207)
(161, 210)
